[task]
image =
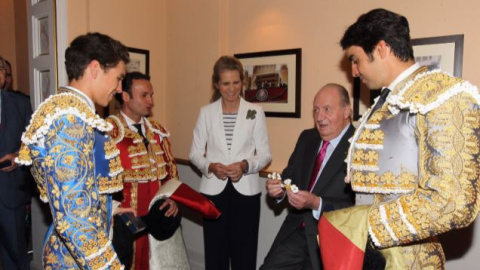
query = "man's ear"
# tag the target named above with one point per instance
(383, 49)
(94, 68)
(125, 96)
(347, 113)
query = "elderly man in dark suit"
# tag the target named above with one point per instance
(317, 168)
(15, 113)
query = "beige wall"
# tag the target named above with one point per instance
(228, 27)
(186, 37)
(137, 24)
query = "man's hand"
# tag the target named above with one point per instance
(235, 171)
(173, 210)
(219, 170)
(303, 200)
(9, 157)
(274, 188)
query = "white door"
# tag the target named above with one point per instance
(46, 46)
(42, 49)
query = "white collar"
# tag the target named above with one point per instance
(129, 120)
(407, 72)
(89, 101)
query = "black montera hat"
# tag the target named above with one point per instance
(158, 225)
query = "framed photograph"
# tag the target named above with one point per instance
(273, 80)
(445, 53)
(139, 61)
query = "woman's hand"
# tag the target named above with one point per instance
(235, 170)
(219, 170)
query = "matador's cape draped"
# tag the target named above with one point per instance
(76, 167)
(418, 155)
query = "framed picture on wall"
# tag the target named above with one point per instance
(139, 60)
(444, 52)
(273, 80)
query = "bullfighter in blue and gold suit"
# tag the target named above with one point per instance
(75, 164)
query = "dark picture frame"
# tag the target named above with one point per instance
(273, 80)
(443, 52)
(449, 49)
(139, 60)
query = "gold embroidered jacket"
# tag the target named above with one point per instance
(76, 166)
(419, 155)
(142, 164)
(146, 168)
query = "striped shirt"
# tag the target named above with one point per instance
(229, 120)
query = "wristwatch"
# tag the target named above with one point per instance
(246, 166)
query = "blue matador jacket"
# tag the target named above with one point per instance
(76, 167)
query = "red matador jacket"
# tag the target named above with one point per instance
(146, 168)
(142, 165)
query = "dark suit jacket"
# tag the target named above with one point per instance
(15, 186)
(330, 186)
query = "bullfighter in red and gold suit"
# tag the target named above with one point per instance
(148, 163)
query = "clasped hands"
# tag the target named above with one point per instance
(233, 171)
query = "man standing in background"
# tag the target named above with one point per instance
(148, 162)
(15, 193)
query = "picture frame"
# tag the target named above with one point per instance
(443, 52)
(273, 80)
(139, 60)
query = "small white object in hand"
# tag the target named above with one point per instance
(285, 184)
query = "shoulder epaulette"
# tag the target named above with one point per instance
(427, 91)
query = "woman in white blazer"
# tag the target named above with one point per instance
(230, 146)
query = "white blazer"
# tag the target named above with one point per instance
(250, 142)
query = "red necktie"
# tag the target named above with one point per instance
(318, 164)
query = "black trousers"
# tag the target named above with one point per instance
(233, 238)
(13, 246)
(291, 254)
